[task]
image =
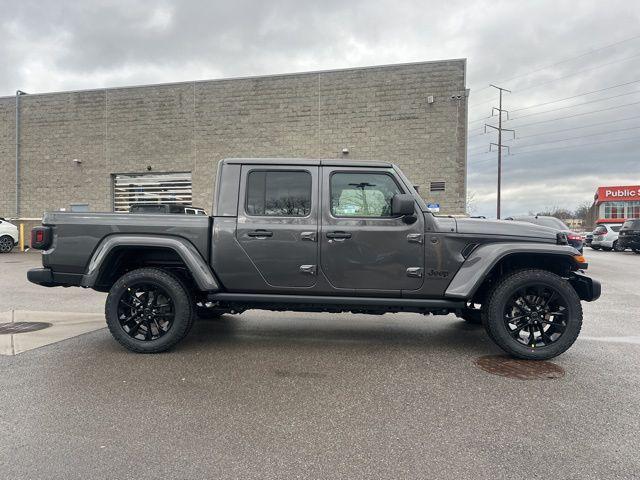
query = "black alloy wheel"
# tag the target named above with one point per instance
(535, 315)
(617, 247)
(146, 311)
(149, 310)
(6, 244)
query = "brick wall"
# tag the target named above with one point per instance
(378, 113)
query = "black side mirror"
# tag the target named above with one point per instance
(402, 205)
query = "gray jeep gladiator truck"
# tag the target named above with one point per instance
(318, 236)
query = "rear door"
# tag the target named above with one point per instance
(363, 247)
(278, 222)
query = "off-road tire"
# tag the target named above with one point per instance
(493, 314)
(182, 302)
(617, 247)
(6, 244)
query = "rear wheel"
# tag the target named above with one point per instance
(6, 244)
(533, 314)
(149, 310)
(636, 250)
(617, 247)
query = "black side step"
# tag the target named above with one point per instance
(390, 303)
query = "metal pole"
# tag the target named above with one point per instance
(499, 151)
(18, 92)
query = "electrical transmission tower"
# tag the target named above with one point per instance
(499, 145)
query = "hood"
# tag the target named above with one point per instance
(509, 228)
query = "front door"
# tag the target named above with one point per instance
(278, 223)
(362, 246)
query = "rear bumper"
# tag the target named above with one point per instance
(47, 278)
(586, 287)
(41, 276)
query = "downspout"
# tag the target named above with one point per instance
(18, 93)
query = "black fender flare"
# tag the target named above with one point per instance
(480, 262)
(198, 267)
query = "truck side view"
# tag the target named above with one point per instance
(318, 235)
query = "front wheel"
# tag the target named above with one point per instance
(149, 310)
(533, 314)
(6, 244)
(617, 247)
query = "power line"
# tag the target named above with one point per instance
(584, 54)
(577, 128)
(577, 114)
(578, 146)
(573, 106)
(575, 96)
(579, 136)
(595, 67)
(563, 148)
(568, 106)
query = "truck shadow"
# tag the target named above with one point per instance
(444, 333)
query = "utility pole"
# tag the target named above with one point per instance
(499, 145)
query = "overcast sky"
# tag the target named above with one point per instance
(62, 45)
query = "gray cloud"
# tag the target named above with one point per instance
(47, 46)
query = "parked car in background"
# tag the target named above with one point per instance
(629, 235)
(605, 237)
(588, 238)
(575, 239)
(8, 236)
(166, 208)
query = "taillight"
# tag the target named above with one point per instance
(574, 237)
(40, 238)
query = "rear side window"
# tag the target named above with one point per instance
(278, 193)
(362, 194)
(616, 229)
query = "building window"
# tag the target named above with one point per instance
(278, 193)
(633, 210)
(437, 186)
(614, 210)
(362, 194)
(151, 189)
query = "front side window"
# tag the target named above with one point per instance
(362, 194)
(279, 193)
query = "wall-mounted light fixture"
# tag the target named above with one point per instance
(77, 161)
(345, 151)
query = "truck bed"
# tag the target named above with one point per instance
(77, 235)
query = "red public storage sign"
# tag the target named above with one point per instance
(617, 194)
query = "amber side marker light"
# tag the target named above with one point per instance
(581, 261)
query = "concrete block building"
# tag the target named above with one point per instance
(106, 149)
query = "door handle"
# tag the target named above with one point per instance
(310, 236)
(260, 234)
(338, 235)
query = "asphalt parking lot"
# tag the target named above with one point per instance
(272, 395)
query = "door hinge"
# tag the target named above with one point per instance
(414, 272)
(310, 269)
(415, 238)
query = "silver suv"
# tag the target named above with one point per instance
(605, 237)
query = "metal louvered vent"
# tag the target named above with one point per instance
(437, 186)
(136, 189)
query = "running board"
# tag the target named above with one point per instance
(398, 304)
